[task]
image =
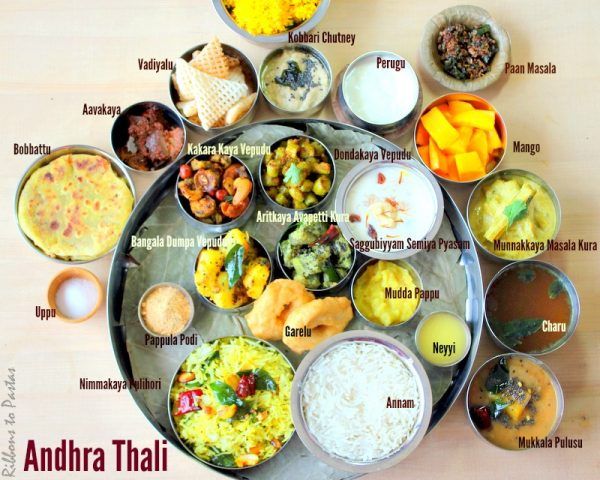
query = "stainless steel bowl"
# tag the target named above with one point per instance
(416, 279)
(410, 361)
(119, 135)
(560, 402)
(309, 24)
(165, 284)
(344, 111)
(504, 174)
(53, 155)
(479, 103)
(261, 252)
(251, 80)
(363, 167)
(467, 333)
(569, 289)
(272, 204)
(307, 49)
(170, 406)
(210, 228)
(318, 291)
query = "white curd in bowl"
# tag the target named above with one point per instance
(381, 88)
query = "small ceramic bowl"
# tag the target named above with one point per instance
(74, 273)
(478, 103)
(178, 288)
(251, 78)
(119, 135)
(277, 38)
(471, 16)
(361, 270)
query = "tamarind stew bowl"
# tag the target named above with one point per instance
(210, 228)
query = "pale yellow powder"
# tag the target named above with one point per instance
(166, 311)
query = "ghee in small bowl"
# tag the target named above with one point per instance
(443, 339)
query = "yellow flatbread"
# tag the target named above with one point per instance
(75, 207)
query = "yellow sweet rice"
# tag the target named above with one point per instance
(269, 17)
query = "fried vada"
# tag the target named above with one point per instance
(271, 309)
(324, 318)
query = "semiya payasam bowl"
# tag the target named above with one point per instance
(170, 404)
(513, 172)
(552, 380)
(478, 103)
(67, 274)
(410, 361)
(416, 278)
(471, 16)
(271, 203)
(119, 135)
(177, 287)
(413, 167)
(261, 251)
(567, 286)
(214, 228)
(251, 78)
(277, 38)
(286, 271)
(308, 49)
(44, 160)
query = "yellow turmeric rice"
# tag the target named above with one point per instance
(269, 17)
(231, 402)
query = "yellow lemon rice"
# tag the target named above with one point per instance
(269, 17)
(260, 432)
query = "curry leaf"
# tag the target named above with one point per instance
(293, 176)
(223, 460)
(555, 288)
(264, 381)
(225, 394)
(498, 378)
(526, 275)
(513, 331)
(234, 264)
(515, 211)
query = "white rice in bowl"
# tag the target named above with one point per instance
(349, 397)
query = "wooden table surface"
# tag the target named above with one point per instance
(57, 55)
